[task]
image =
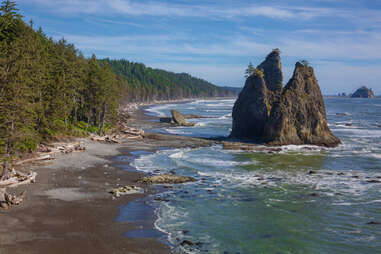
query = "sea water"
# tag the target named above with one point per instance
(300, 200)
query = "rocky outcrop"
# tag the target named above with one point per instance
(167, 178)
(176, 119)
(363, 92)
(295, 114)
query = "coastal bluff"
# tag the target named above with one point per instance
(265, 111)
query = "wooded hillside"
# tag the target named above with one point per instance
(147, 84)
(48, 88)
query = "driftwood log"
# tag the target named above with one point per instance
(126, 133)
(11, 178)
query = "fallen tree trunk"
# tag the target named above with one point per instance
(44, 157)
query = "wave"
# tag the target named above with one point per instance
(157, 110)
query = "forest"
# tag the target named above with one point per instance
(146, 84)
(48, 88)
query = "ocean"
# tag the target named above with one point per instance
(300, 200)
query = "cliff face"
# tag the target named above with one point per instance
(252, 101)
(363, 92)
(292, 115)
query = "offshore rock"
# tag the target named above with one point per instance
(179, 119)
(295, 114)
(363, 92)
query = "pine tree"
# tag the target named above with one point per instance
(250, 70)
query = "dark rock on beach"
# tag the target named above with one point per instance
(363, 92)
(295, 114)
(186, 242)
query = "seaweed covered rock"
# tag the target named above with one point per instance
(363, 92)
(295, 114)
(166, 178)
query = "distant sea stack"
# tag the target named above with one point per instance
(363, 92)
(265, 111)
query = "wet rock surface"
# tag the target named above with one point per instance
(166, 178)
(178, 119)
(267, 112)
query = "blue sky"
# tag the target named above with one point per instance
(215, 40)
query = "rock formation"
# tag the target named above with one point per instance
(295, 114)
(363, 92)
(176, 119)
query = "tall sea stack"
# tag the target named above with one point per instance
(295, 114)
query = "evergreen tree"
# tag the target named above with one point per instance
(250, 70)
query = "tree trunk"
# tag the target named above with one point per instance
(102, 118)
(4, 175)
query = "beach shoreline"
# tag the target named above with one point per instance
(69, 208)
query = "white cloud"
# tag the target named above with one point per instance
(159, 8)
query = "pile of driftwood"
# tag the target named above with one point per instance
(113, 138)
(123, 116)
(48, 152)
(10, 178)
(132, 131)
(125, 133)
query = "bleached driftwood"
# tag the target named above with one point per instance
(11, 178)
(18, 179)
(41, 158)
(132, 131)
(108, 138)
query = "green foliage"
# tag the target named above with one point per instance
(253, 71)
(137, 82)
(259, 72)
(250, 70)
(305, 63)
(9, 20)
(47, 86)
(27, 144)
(277, 50)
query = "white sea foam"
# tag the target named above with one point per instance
(158, 110)
(227, 116)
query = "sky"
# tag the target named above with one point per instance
(215, 40)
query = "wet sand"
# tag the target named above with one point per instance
(69, 209)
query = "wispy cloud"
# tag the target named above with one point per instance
(160, 8)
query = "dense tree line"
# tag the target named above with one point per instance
(147, 84)
(47, 87)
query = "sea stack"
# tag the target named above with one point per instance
(363, 92)
(265, 111)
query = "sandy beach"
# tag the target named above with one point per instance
(69, 208)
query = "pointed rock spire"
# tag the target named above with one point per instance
(272, 68)
(300, 117)
(252, 101)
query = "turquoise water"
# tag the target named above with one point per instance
(253, 202)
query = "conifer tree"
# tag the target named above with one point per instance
(250, 70)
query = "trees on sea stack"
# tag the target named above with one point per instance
(266, 111)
